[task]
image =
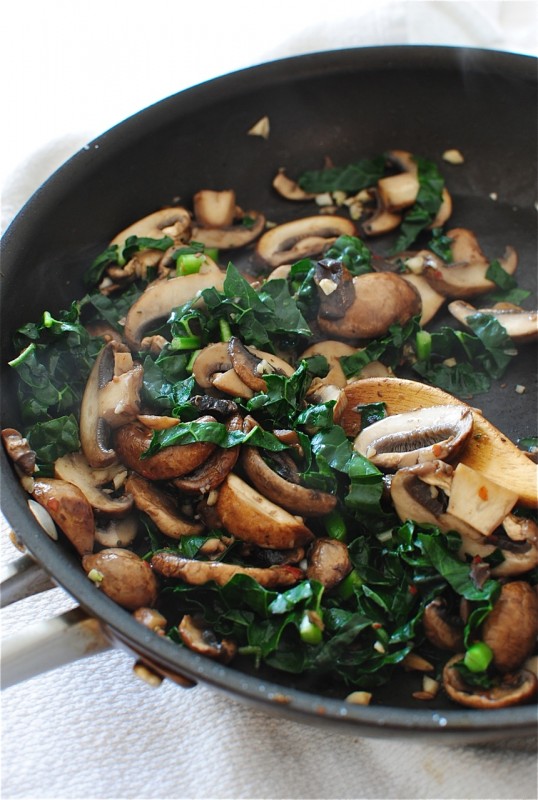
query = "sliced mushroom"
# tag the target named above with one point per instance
(19, 450)
(332, 350)
(229, 236)
(302, 238)
(251, 517)
(442, 629)
(466, 275)
(69, 509)
(381, 220)
(485, 451)
(161, 508)
(328, 562)
(214, 209)
(94, 431)
(336, 291)
(161, 296)
(510, 690)
(401, 440)
(211, 473)
(250, 364)
(510, 629)
(74, 468)
(197, 573)
(132, 440)
(117, 532)
(520, 325)
(288, 188)
(321, 392)
(197, 636)
(431, 301)
(123, 576)
(381, 300)
(119, 399)
(285, 492)
(173, 221)
(152, 619)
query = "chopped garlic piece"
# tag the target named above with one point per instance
(327, 286)
(324, 199)
(521, 389)
(453, 156)
(415, 264)
(359, 698)
(261, 128)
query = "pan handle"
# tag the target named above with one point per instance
(48, 644)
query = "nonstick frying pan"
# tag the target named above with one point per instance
(346, 105)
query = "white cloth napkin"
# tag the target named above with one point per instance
(92, 729)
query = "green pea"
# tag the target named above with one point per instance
(478, 657)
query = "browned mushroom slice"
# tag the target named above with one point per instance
(336, 291)
(214, 469)
(442, 629)
(117, 532)
(161, 296)
(173, 221)
(132, 440)
(74, 468)
(213, 369)
(466, 275)
(197, 636)
(123, 576)
(401, 440)
(288, 188)
(152, 619)
(431, 301)
(367, 317)
(285, 491)
(510, 629)
(94, 432)
(332, 350)
(214, 209)
(197, 573)
(251, 517)
(381, 220)
(518, 557)
(301, 238)
(69, 509)
(510, 690)
(228, 237)
(328, 562)
(161, 507)
(250, 364)
(19, 450)
(520, 325)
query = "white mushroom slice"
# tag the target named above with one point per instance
(161, 507)
(332, 350)
(232, 236)
(94, 432)
(214, 209)
(466, 275)
(288, 188)
(117, 532)
(230, 383)
(367, 317)
(160, 297)
(398, 192)
(119, 399)
(479, 501)
(309, 236)
(401, 440)
(197, 573)
(69, 509)
(520, 325)
(431, 299)
(74, 468)
(174, 222)
(251, 517)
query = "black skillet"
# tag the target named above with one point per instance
(346, 105)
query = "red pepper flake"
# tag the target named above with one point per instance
(376, 625)
(438, 274)
(483, 493)
(413, 589)
(53, 504)
(477, 559)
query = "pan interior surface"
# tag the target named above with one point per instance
(344, 106)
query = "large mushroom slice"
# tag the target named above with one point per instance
(173, 221)
(251, 517)
(219, 223)
(111, 397)
(302, 238)
(161, 507)
(381, 300)
(69, 509)
(131, 442)
(95, 484)
(466, 275)
(211, 473)
(401, 440)
(160, 297)
(197, 573)
(123, 576)
(511, 628)
(520, 325)
(286, 491)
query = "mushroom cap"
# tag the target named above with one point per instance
(510, 629)
(173, 221)
(381, 300)
(126, 578)
(69, 509)
(161, 507)
(514, 688)
(251, 517)
(308, 236)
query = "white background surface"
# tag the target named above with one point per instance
(69, 71)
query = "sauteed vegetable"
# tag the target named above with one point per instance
(258, 438)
